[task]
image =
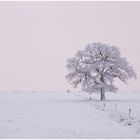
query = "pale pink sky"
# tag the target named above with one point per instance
(36, 38)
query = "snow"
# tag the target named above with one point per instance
(96, 67)
(68, 115)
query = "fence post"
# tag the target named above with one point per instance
(129, 112)
(115, 106)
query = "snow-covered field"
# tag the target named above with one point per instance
(69, 115)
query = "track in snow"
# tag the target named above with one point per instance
(56, 115)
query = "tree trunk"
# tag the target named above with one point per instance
(102, 89)
(102, 95)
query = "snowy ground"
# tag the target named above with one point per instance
(68, 115)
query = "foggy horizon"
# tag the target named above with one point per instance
(37, 38)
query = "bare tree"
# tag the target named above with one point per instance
(96, 67)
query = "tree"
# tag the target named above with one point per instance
(96, 67)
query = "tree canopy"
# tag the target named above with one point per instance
(96, 67)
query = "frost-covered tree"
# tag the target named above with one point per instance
(96, 67)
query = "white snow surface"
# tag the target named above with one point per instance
(69, 115)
